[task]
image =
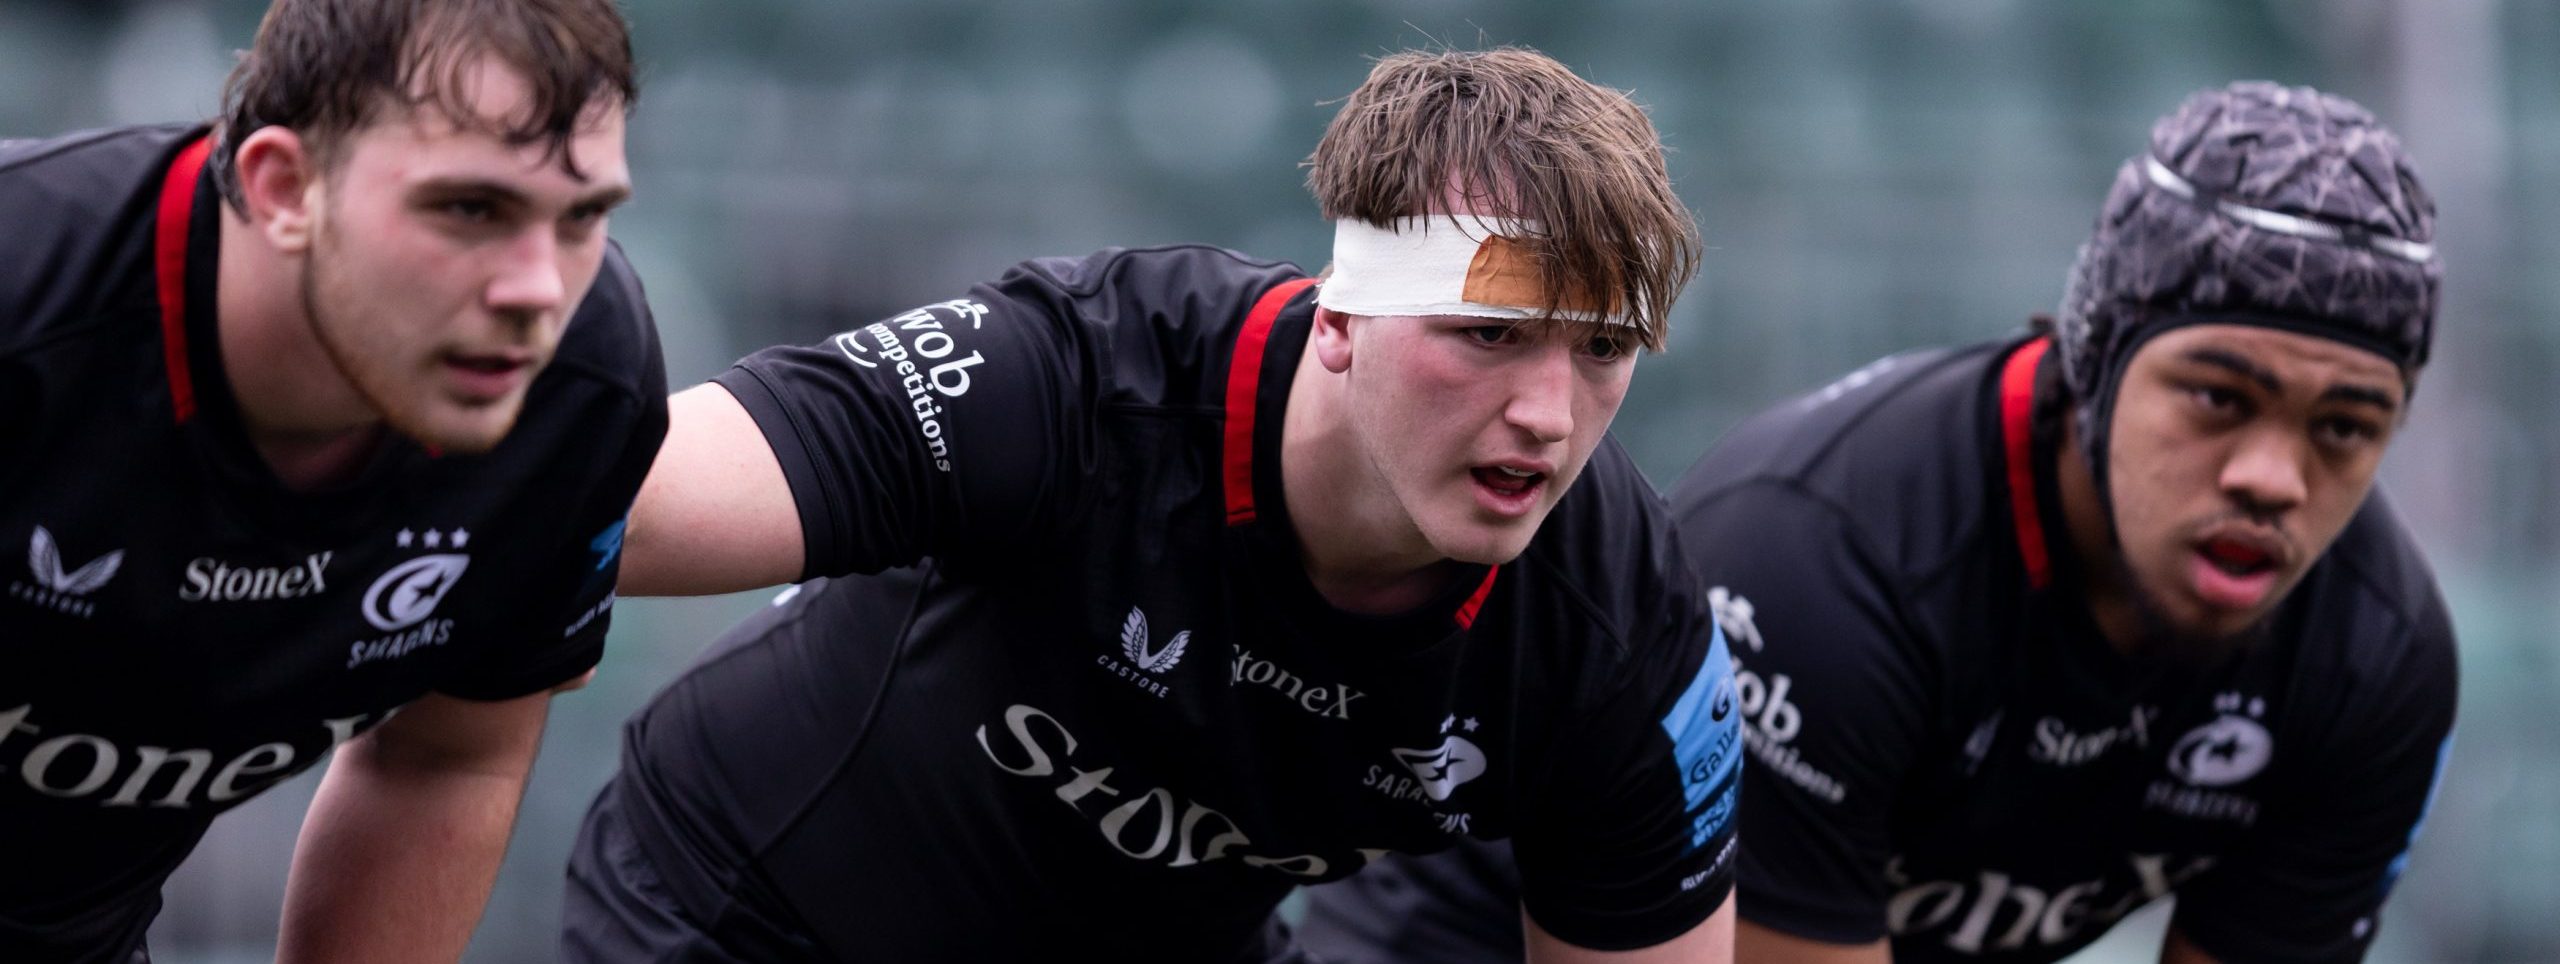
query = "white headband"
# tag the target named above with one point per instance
(1441, 265)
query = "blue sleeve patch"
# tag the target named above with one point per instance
(2400, 864)
(607, 544)
(1706, 740)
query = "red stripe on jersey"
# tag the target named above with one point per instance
(1467, 612)
(2017, 404)
(169, 261)
(1244, 381)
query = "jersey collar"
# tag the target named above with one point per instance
(2017, 438)
(177, 213)
(186, 265)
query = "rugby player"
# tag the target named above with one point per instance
(2032, 633)
(324, 411)
(1145, 586)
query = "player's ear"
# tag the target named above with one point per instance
(1332, 336)
(280, 182)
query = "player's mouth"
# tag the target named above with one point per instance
(2235, 567)
(1510, 488)
(483, 377)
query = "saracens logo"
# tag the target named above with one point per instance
(1439, 771)
(401, 600)
(60, 590)
(2223, 752)
(408, 594)
(1144, 661)
(1432, 773)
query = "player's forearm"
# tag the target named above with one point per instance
(1711, 942)
(396, 859)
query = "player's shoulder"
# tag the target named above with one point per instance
(1158, 324)
(1173, 295)
(76, 206)
(1170, 283)
(1607, 556)
(94, 165)
(612, 340)
(1898, 451)
(2377, 618)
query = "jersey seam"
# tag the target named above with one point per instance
(1102, 276)
(651, 783)
(627, 394)
(1959, 549)
(1162, 411)
(1850, 425)
(2379, 589)
(1896, 591)
(1572, 590)
(861, 732)
(77, 141)
(108, 319)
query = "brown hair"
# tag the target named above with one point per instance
(324, 68)
(1513, 127)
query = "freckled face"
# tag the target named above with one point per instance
(1477, 426)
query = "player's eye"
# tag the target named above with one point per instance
(1608, 347)
(468, 210)
(2346, 431)
(2217, 400)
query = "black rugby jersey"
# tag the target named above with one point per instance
(1109, 717)
(178, 631)
(1946, 753)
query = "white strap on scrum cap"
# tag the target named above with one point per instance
(1442, 265)
(2279, 222)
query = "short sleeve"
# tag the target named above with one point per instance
(2310, 885)
(568, 603)
(1632, 842)
(949, 429)
(1832, 705)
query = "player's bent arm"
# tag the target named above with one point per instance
(1757, 944)
(716, 514)
(2176, 949)
(1711, 942)
(404, 839)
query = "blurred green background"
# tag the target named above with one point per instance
(1871, 175)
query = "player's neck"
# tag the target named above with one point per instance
(305, 420)
(1360, 551)
(2103, 580)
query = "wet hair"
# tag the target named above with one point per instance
(327, 68)
(1515, 134)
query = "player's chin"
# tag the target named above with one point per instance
(2195, 633)
(1486, 544)
(461, 428)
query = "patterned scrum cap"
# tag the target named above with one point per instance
(2259, 204)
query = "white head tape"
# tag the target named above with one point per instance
(1441, 265)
